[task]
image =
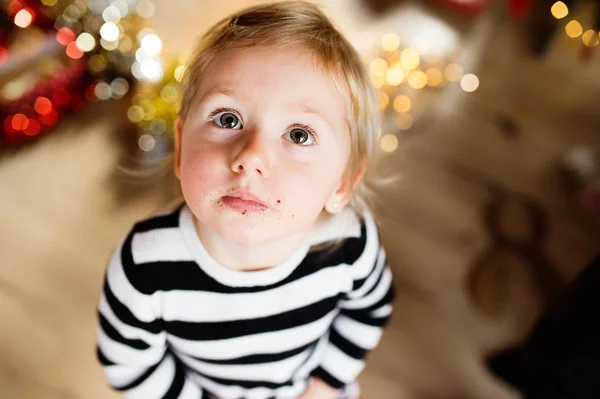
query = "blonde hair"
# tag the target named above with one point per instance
(302, 24)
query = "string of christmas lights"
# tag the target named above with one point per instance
(91, 50)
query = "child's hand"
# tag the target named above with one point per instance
(317, 389)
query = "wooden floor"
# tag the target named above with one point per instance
(64, 205)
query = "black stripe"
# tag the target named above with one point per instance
(116, 336)
(248, 384)
(359, 283)
(159, 222)
(160, 276)
(377, 283)
(240, 328)
(386, 299)
(103, 359)
(258, 359)
(124, 314)
(178, 381)
(141, 378)
(346, 346)
(330, 380)
(365, 317)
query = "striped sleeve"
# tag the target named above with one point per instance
(364, 312)
(131, 341)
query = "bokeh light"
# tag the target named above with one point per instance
(103, 91)
(42, 105)
(559, 10)
(390, 41)
(146, 142)
(109, 32)
(65, 36)
(135, 113)
(453, 72)
(111, 14)
(379, 67)
(86, 42)
(590, 38)
(61, 96)
(33, 128)
(469, 83)
(20, 122)
(178, 73)
(73, 51)
(410, 58)
(574, 29)
(119, 88)
(170, 93)
(151, 44)
(434, 77)
(402, 103)
(394, 76)
(145, 9)
(24, 17)
(417, 80)
(389, 143)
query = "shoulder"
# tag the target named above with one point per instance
(148, 245)
(349, 236)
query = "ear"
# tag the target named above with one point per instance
(342, 195)
(177, 129)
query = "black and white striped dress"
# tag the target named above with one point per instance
(173, 323)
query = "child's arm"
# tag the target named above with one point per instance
(364, 312)
(132, 344)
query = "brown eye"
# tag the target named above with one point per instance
(300, 136)
(227, 120)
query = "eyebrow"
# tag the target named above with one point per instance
(215, 92)
(307, 109)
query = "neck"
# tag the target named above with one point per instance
(249, 257)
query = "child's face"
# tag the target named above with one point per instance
(264, 146)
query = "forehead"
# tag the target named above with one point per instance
(274, 74)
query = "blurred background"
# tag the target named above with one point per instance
(491, 126)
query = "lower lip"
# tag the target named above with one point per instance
(241, 205)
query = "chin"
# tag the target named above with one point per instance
(242, 230)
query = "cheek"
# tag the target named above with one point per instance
(304, 192)
(200, 167)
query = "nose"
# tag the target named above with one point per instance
(253, 157)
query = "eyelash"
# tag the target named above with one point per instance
(307, 128)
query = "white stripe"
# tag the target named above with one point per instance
(279, 371)
(341, 366)
(119, 353)
(120, 375)
(315, 359)
(359, 334)
(372, 279)
(142, 306)
(383, 311)
(234, 391)
(158, 383)
(191, 390)
(125, 329)
(267, 343)
(374, 296)
(159, 245)
(198, 306)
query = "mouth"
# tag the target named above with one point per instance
(243, 202)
